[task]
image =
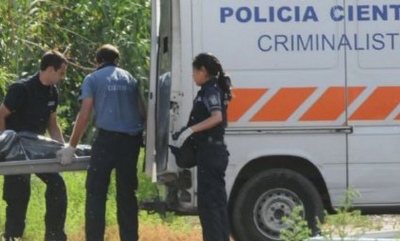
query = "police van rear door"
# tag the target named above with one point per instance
(159, 88)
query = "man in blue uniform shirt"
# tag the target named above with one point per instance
(119, 116)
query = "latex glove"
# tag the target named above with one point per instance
(66, 155)
(181, 136)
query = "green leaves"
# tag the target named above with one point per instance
(297, 228)
(5, 79)
(28, 28)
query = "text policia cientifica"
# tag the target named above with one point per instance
(318, 41)
(337, 13)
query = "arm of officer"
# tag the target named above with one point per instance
(210, 122)
(212, 101)
(81, 122)
(82, 119)
(54, 128)
(4, 112)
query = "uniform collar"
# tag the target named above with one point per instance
(39, 86)
(209, 83)
(36, 79)
(106, 65)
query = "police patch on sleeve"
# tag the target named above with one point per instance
(213, 101)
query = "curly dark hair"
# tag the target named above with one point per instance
(214, 68)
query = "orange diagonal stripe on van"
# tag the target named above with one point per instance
(242, 100)
(331, 104)
(379, 104)
(283, 104)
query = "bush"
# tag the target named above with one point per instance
(345, 222)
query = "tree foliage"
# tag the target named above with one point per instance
(77, 28)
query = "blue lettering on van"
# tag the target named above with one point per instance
(264, 43)
(337, 13)
(365, 13)
(224, 13)
(243, 14)
(378, 40)
(328, 42)
(270, 14)
(257, 16)
(319, 41)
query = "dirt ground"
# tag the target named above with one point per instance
(156, 233)
(385, 222)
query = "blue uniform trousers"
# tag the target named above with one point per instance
(120, 151)
(212, 160)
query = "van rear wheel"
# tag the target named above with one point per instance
(268, 197)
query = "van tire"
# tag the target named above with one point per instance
(277, 192)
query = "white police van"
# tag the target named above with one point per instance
(315, 109)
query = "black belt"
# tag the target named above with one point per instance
(218, 140)
(116, 133)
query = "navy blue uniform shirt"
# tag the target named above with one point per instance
(209, 98)
(31, 103)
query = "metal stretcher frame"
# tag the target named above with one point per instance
(43, 166)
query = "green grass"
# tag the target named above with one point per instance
(36, 209)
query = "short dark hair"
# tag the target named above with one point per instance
(107, 54)
(52, 58)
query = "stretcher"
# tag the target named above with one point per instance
(43, 166)
(26, 152)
